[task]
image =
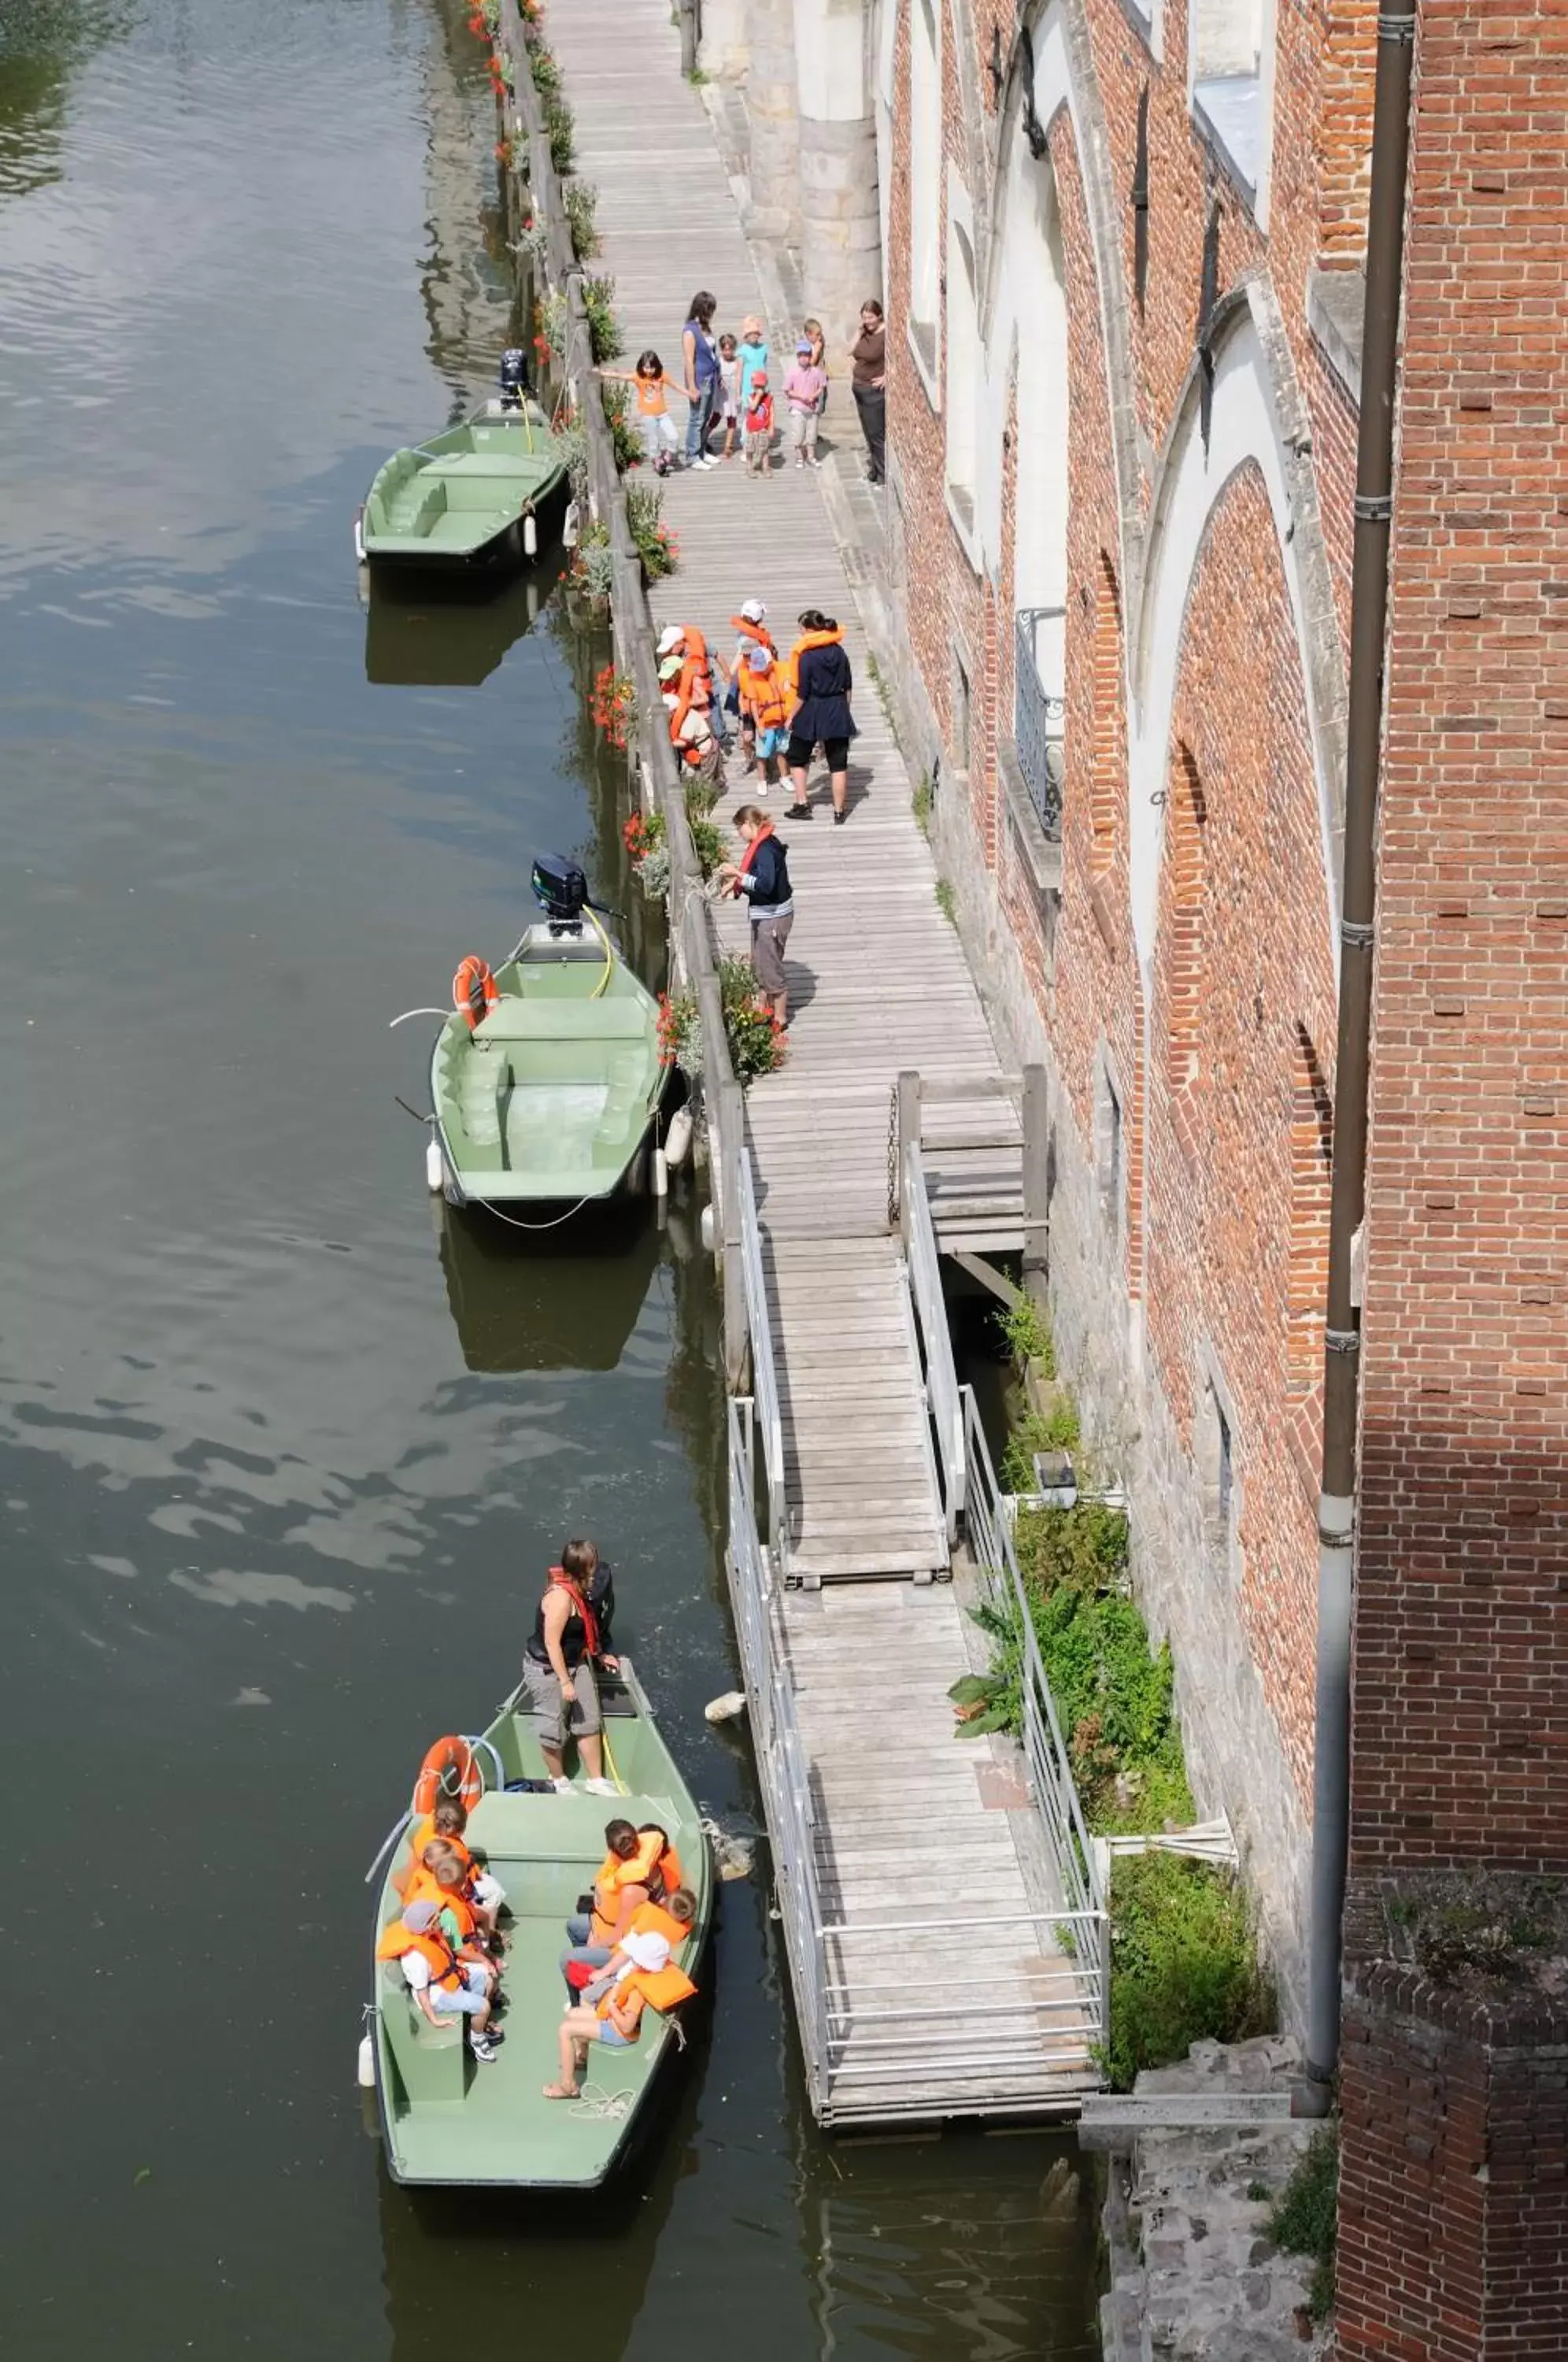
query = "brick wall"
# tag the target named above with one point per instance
(1202, 1282)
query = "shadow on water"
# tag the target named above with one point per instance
(565, 1303)
(452, 634)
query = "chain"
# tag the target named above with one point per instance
(894, 1159)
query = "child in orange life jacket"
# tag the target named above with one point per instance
(442, 1879)
(447, 1823)
(646, 1981)
(649, 380)
(765, 703)
(690, 732)
(623, 1884)
(758, 424)
(673, 1916)
(444, 1986)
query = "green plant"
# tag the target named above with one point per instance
(946, 901)
(656, 544)
(697, 77)
(993, 1700)
(623, 436)
(581, 199)
(756, 1045)
(560, 132)
(1306, 2219)
(542, 66)
(603, 329)
(1259, 2192)
(572, 442)
(1026, 1333)
(921, 799)
(593, 568)
(1050, 1431)
(1183, 1964)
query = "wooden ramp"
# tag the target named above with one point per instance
(865, 1785)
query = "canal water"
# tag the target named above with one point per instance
(284, 1447)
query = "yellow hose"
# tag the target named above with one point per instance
(615, 1767)
(603, 984)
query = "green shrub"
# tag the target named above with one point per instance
(581, 210)
(603, 329)
(1026, 1333)
(1183, 1964)
(560, 131)
(542, 66)
(627, 442)
(1306, 2220)
(1050, 1431)
(655, 542)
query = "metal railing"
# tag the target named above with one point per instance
(691, 939)
(1050, 1771)
(936, 1346)
(776, 1742)
(1038, 720)
(763, 1371)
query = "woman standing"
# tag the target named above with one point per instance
(702, 358)
(571, 1632)
(822, 680)
(869, 387)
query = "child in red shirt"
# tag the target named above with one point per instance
(759, 424)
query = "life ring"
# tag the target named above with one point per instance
(474, 990)
(450, 1774)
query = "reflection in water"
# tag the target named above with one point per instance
(42, 44)
(438, 632)
(566, 1303)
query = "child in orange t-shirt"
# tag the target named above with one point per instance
(649, 379)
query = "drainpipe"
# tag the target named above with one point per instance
(1369, 619)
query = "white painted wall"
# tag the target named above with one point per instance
(1226, 38)
(830, 59)
(963, 339)
(925, 161)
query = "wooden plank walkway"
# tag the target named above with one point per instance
(878, 983)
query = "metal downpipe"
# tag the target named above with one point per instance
(1369, 618)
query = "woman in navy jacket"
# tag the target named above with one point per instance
(822, 679)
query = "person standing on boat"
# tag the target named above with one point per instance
(571, 1637)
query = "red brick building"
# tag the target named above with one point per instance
(1123, 285)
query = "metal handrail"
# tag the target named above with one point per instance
(936, 1344)
(1038, 721)
(763, 1371)
(1050, 1769)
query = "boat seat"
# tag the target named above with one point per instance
(431, 2060)
(564, 1020)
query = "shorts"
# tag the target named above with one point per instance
(553, 1722)
(768, 937)
(835, 749)
(612, 2038)
(465, 2004)
(486, 1890)
(804, 430)
(769, 741)
(658, 432)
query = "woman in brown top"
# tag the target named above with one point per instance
(869, 355)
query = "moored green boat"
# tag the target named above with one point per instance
(481, 493)
(443, 2116)
(544, 1079)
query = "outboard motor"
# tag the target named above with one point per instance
(561, 890)
(514, 378)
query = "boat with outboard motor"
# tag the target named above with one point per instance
(448, 2117)
(546, 1077)
(483, 492)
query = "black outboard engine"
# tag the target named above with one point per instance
(561, 890)
(514, 378)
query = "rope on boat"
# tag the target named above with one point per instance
(491, 1207)
(602, 2107)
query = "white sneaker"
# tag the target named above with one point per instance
(601, 1787)
(562, 1786)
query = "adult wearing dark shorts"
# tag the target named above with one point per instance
(761, 879)
(822, 679)
(571, 1633)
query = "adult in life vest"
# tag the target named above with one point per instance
(445, 1987)
(647, 1980)
(570, 1637)
(628, 1877)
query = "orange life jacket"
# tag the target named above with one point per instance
(695, 686)
(436, 1953)
(425, 1887)
(614, 1875)
(747, 630)
(764, 695)
(425, 1833)
(661, 1989)
(652, 1919)
(807, 640)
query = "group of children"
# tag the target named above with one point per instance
(744, 408)
(621, 1944)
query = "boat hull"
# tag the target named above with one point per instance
(448, 2122)
(468, 501)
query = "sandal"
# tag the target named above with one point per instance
(563, 2091)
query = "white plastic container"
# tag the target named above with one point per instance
(433, 1175)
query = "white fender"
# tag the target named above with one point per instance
(432, 1174)
(367, 2065)
(677, 1139)
(530, 535)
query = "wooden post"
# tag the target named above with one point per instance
(1036, 1184)
(731, 1119)
(909, 1137)
(690, 33)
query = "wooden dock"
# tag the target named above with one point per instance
(920, 1882)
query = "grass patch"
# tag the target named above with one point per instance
(946, 901)
(1306, 2220)
(1183, 1966)
(560, 132)
(582, 201)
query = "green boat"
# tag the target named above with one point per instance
(480, 494)
(443, 2116)
(545, 1076)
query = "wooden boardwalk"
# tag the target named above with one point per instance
(902, 1826)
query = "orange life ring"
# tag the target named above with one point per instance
(448, 1775)
(474, 990)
